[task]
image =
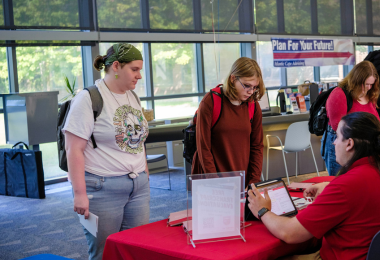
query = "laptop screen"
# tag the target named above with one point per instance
(264, 102)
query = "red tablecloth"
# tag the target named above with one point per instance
(157, 241)
(320, 179)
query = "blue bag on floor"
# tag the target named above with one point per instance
(21, 173)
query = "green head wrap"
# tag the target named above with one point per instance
(123, 53)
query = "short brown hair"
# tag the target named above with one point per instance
(244, 67)
(354, 81)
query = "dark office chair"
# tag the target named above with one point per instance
(374, 248)
(156, 158)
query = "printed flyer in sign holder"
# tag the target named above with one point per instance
(215, 206)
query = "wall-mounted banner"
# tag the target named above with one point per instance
(312, 52)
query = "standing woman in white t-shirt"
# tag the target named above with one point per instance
(112, 180)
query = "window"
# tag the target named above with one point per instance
(144, 104)
(4, 83)
(50, 161)
(266, 16)
(218, 59)
(140, 86)
(329, 17)
(1, 13)
(271, 74)
(297, 16)
(376, 16)
(178, 107)
(297, 75)
(119, 14)
(331, 73)
(44, 68)
(221, 14)
(272, 94)
(171, 14)
(174, 68)
(56, 13)
(361, 51)
(361, 17)
(375, 48)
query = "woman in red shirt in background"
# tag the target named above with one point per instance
(362, 83)
(234, 143)
(346, 211)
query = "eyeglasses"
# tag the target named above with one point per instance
(248, 88)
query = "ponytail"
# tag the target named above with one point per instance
(99, 62)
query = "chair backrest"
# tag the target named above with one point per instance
(374, 248)
(297, 137)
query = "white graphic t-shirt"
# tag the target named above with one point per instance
(120, 132)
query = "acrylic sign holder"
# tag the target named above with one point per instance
(215, 207)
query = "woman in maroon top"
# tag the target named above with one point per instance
(233, 143)
(362, 83)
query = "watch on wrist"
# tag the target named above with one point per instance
(262, 212)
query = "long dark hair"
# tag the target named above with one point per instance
(364, 129)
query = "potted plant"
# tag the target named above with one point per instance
(70, 88)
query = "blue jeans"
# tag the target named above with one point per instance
(119, 202)
(329, 157)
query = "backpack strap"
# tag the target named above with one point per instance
(349, 99)
(251, 110)
(217, 100)
(96, 99)
(137, 98)
(97, 106)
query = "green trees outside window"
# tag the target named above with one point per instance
(329, 17)
(224, 17)
(297, 16)
(174, 68)
(266, 16)
(4, 84)
(171, 14)
(1, 13)
(119, 14)
(63, 13)
(44, 68)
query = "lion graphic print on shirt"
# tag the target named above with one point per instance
(131, 129)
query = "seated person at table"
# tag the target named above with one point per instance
(346, 211)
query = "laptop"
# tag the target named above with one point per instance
(265, 106)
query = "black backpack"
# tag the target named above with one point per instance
(318, 115)
(97, 106)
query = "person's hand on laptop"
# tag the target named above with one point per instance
(314, 190)
(257, 201)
